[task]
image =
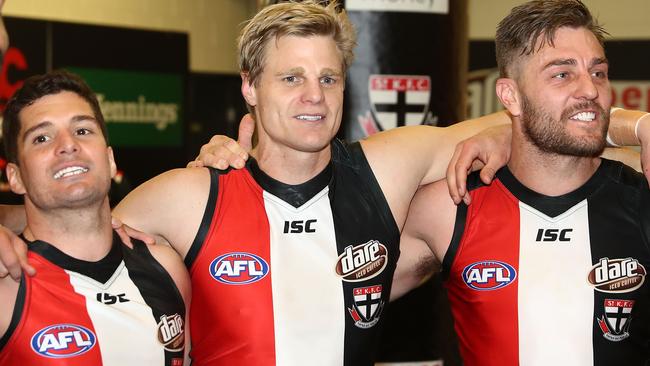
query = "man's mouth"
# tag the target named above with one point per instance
(310, 117)
(69, 171)
(584, 116)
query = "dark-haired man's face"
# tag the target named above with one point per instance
(565, 95)
(63, 158)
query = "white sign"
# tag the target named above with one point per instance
(412, 6)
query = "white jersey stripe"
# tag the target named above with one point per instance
(117, 333)
(555, 252)
(305, 260)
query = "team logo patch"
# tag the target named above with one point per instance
(367, 306)
(63, 340)
(399, 100)
(616, 321)
(171, 332)
(617, 275)
(362, 262)
(238, 268)
(488, 275)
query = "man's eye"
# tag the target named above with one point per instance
(562, 75)
(600, 74)
(83, 131)
(290, 79)
(327, 80)
(40, 139)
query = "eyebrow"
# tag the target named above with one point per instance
(572, 62)
(301, 71)
(295, 70)
(330, 72)
(75, 119)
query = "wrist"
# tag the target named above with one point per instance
(642, 128)
(628, 127)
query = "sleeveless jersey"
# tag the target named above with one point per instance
(539, 280)
(122, 310)
(293, 274)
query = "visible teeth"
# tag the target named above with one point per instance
(309, 118)
(585, 116)
(72, 170)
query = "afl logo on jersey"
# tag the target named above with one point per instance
(63, 340)
(489, 275)
(238, 268)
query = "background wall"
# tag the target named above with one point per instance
(623, 19)
(212, 25)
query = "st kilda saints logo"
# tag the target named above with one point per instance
(616, 321)
(396, 100)
(171, 332)
(362, 262)
(617, 275)
(367, 306)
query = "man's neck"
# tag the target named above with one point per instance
(82, 233)
(547, 173)
(290, 166)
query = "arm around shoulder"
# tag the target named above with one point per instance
(417, 155)
(169, 206)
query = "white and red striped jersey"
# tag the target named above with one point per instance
(539, 280)
(292, 274)
(122, 310)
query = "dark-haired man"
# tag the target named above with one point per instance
(548, 264)
(94, 300)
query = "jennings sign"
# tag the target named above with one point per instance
(140, 108)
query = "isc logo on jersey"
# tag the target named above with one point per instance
(238, 268)
(63, 340)
(488, 275)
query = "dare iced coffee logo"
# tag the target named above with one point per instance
(362, 262)
(617, 275)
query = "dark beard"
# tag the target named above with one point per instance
(551, 136)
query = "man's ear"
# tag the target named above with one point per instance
(111, 161)
(248, 90)
(14, 178)
(508, 93)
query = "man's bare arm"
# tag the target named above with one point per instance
(415, 265)
(430, 224)
(169, 206)
(405, 158)
(627, 127)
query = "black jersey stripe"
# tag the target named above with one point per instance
(17, 314)
(204, 228)
(157, 288)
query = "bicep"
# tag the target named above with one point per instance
(169, 206)
(418, 155)
(416, 263)
(431, 218)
